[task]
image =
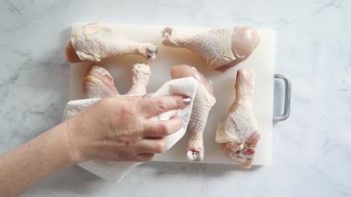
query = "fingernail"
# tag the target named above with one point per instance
(187, 101)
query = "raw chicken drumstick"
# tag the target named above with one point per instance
(203, 102)
(98, 82)
(239, 134)
(96, 41)
(221, 48)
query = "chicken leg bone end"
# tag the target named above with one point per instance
(195, 150)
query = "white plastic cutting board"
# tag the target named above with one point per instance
(262, 61)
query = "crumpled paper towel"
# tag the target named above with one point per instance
(117, 170)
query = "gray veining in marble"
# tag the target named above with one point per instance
(311, 151)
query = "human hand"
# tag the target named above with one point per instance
(119, 128)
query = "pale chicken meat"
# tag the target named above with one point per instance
(238, 134)
(222, 48)
(96, 41)
(99, 83)
(203, 102)
(140, 79)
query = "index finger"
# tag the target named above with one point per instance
(152, 106)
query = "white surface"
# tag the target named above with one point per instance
(261, 60)
(311, 150)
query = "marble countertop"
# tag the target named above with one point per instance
(311, 150)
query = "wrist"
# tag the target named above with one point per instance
(72, 141)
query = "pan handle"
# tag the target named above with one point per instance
(287, 95)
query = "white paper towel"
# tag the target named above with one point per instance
(117, 170)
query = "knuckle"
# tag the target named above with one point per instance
(125, 114)
(162, 105)
(163, 129)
